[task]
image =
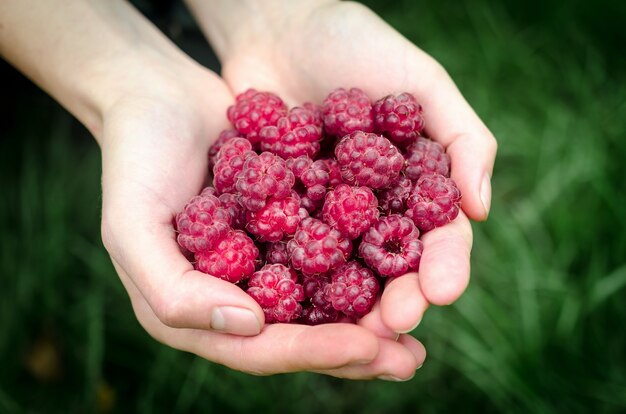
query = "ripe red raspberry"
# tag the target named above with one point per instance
(225, 136)
(275, 287)
(253, 110)
(433, 202)
(316, 248)
(318, 116)
(202, 223)
(346, 111)
(297, 133)
(312, 174)
(426, 156)
(232, 259)
(352, 290)
(311, 206)
(279, 218)
(277, 253)
(391, 246)
(263, 176)
(312, 315)
(399, 118)
(368, 159)
(393, 199)
(351, 210)
(229, 164)
(334, 172)
(237, 212)
(320, 310)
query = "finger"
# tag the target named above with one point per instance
(144, 247)
(403, 304)
(396, 361)
(445, 264)
(451, 121)
(373, 322)
(279, 348)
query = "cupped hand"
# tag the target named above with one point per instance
(305, 50)
(154, 143)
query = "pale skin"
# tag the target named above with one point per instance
(154, 112)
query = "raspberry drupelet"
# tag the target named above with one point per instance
(368, 160)
(391, 246)
(351, 210)
(316, 248)
(232, 259)
(399, 118)
(276, 289)
(347, 111)
(236, 211)
(253, 110)
(434, 201)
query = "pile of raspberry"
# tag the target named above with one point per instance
(312, 207)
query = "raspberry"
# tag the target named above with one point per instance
(368, 159)
(433, 202)
(334, 172)
(320, 309)
(318, 116)
(316, 248)
(253, 110)
(275, 287)
(426, 156)
(391, 246)
(353, 289)
(312, 206)
(229, 164)
(312, 315)
(297, 133)
(393, 199)
(202, 223)
(225, 136)
(277, 219)
(232, 259)
(312, 174)
(263, 176)
(236, 211)
(346, 111)
(399, 117)
(277, 253)
(351, 210)
(209, 191)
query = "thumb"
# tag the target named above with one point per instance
(179, 296)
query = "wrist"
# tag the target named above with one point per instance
(231, 25)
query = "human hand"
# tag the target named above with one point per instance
(302, 51)
(154, 146)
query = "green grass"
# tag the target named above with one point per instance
(539, 329)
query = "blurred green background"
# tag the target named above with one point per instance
(540, 329)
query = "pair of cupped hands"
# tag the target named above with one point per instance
(154, 143)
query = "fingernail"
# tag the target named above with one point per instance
(419, 366)
(412, 328)
(485, 193)
(234, 320)
(395, 379)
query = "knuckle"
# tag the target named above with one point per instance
(169, 309)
